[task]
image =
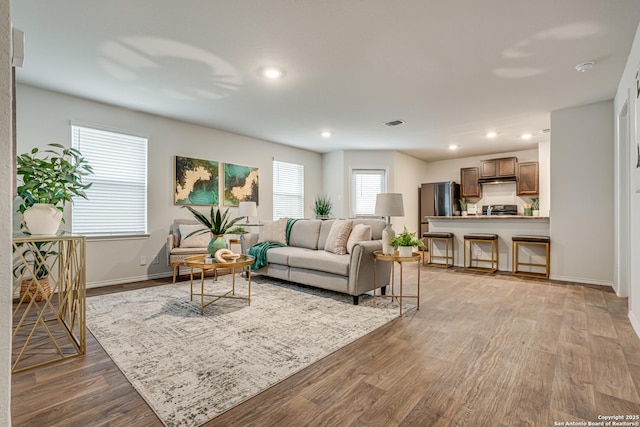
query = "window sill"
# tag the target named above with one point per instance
(108, 237)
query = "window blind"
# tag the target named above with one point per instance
(365, 185)
(288, 190)
(116, 203)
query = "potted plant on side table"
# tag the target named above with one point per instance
(405, 242)
(50, 178)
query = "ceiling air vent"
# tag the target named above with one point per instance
(394, 123)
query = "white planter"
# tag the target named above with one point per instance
(536, 212)
(42, 219)
(405, 251)
(464, 213)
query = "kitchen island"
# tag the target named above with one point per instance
(504, 226)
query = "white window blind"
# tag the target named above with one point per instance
(117, 201)
(365, 185)
(288, 190)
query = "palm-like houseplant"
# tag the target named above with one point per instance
(218, 223)
(50, 178)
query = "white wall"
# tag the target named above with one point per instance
(628, 200)
(43, 117)
(6, 178)
(544, 170)
(581, 226)
(334, 183)
(407, 177)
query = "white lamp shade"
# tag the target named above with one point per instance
(247, 209)
(389, 204)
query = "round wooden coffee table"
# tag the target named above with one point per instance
(199, 262)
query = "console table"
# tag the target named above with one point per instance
(49, 306)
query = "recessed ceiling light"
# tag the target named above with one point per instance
(453, 147)
(272, 72)
(526, 136)
(585, 66)
(325, 134)
(491, 134)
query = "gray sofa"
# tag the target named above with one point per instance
(306, 262)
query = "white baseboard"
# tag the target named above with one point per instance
(582, 280)
(129, 280)
(634, 323)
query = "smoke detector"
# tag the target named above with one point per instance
(585, 66)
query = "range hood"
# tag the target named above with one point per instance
(497, 179)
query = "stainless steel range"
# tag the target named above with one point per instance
(500, 210)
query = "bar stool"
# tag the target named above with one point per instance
(481, 238)
(516, 241)
(448, 255)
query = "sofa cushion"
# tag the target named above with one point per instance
(324, 232)
(281, 255)
(359, 233)
(338, 236)
(377, 226)
(195, 241)
(274, 231)
(320, 261)
(304, 233)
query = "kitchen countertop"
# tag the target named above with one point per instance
(488, 217)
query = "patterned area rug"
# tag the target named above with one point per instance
(191, 368)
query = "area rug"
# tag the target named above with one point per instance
(190, 368)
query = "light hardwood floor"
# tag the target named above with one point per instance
(483, 350)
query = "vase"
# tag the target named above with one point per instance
(527, 212)
(405, 251)
(387, 234)
(216, 243)
(42, 219)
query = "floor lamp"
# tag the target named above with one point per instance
(388, 205)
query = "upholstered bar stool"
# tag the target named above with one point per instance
(447, 238)
(478, 238)
(516, 241)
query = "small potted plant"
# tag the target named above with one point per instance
(33, 268)
(463, 206)
(405, 242)
(50, 178)
(322, 207)
(217, 224)
(535, 206)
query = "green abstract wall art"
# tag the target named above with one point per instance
(240, 184)
(197, 182)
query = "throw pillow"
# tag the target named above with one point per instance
(359, 233)
(195, 241)
(274, 231)
(338, 236)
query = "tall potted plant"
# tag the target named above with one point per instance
(50, 179)
(322, 207)
(218, 223)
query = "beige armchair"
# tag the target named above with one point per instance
(177, 253)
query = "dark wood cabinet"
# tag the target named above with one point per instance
(469, 186)
(498, 167)
(527, 179)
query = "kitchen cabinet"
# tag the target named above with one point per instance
(498, 167)
(469, 186)
(527, 179)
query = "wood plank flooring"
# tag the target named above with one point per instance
(483, 350)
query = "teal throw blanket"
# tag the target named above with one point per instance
(259, 250)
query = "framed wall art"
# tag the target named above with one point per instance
(196, 182)
(240, 184)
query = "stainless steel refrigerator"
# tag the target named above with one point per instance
(437, 199)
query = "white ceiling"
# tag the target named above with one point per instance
(452, 70)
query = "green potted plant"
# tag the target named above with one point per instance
(50, 179)
(463, 206)
(218, 223)
(322, 207)
(535, 206)
(405, 242)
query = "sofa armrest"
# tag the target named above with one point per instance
(247, 240)
(170, 246)
(361, 268)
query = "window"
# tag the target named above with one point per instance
(288, 190)
(117, 201)
(365, 185)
